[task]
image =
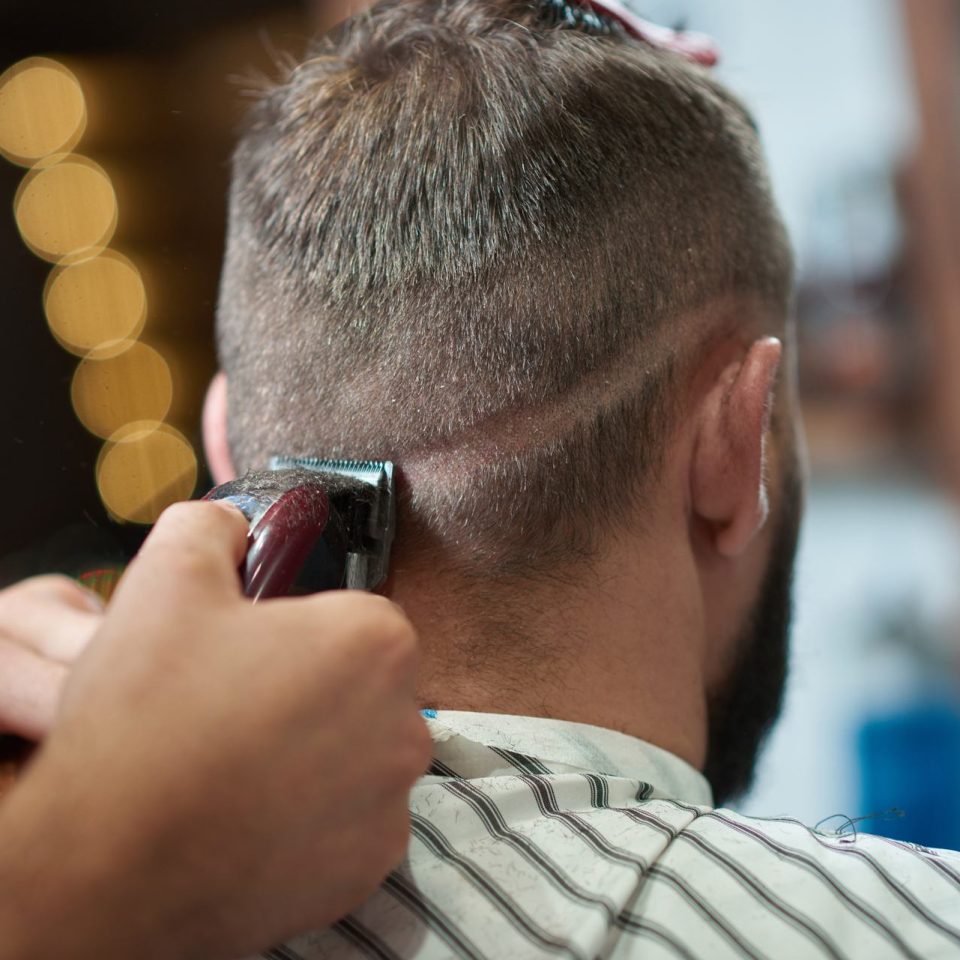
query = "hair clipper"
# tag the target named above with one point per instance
(314, 524)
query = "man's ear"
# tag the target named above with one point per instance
(728, 469)
(215, 444)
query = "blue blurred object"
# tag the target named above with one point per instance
(910, 761)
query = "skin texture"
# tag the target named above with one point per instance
(658, 632)
(198, 795)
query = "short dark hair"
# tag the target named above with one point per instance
(466, 239)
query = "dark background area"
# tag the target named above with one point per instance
(164, 100)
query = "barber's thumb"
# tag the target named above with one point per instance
(195, 547)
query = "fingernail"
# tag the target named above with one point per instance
(231, 508)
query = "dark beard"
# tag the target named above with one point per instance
(742, 712)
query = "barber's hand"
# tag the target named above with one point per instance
(44, 625)
(221, 775)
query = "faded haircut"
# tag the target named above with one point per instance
(466, 239)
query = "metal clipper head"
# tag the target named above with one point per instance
(362, 492)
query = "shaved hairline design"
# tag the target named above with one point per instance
(479, 245)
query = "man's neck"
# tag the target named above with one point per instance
(621, 649)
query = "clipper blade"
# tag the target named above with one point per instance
(363, 493)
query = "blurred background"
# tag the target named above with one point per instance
(116, 122)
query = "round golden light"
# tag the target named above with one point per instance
(42, 110)
(66, 208)
(95, 302)
(126, 381)
(143, 468)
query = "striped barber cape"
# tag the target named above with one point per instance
(542, 838)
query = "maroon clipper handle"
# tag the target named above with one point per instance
(286, 526)
(282, 541)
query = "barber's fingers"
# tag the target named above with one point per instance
(52, 616)
(372, 631)
(367, 646)
(195, 548)
(29, 691)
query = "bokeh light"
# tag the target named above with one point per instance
(123, 382)
(94, 302)
(143, 468)
(66, 207)
(42, 110)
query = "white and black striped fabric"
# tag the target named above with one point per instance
(540, 838)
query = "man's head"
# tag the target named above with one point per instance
(530, 266)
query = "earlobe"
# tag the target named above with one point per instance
(728, 471)
(215, 444)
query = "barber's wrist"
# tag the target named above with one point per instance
(65, 888)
